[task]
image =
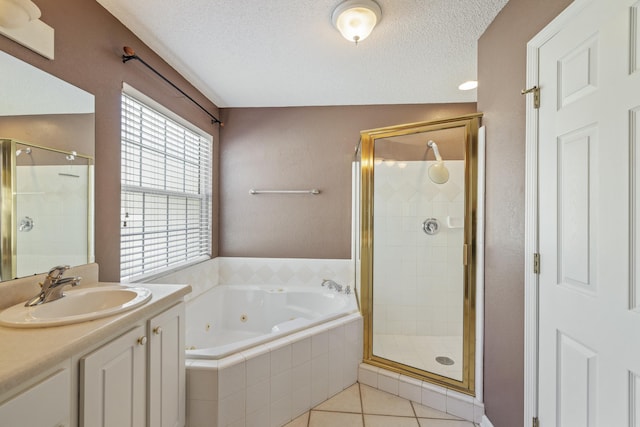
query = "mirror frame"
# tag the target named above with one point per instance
(471, 124)
(8, 208)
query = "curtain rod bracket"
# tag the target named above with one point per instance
(130, 54)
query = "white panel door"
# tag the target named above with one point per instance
(589, 331)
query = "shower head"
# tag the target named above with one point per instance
(438, 172)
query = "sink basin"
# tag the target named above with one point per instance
(78, 305)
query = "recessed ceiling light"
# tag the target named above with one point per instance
(468, 85)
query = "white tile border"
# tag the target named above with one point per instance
(425, 393)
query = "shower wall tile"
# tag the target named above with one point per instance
(418, 276)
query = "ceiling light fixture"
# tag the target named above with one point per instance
(468, 85)
(355, 19)
(17, 13)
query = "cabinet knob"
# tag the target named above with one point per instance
(142, 340)
(157, 330)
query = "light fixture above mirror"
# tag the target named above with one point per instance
(19, 21)
(355, 19)
(17, 13)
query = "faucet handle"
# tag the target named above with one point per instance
(58, 271)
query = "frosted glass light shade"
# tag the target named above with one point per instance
(17, 13)
(355, 19)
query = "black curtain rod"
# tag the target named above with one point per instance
(130, 54)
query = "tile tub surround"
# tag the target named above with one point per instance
(271, 384)
(284, 271)
(201, 276)
(439, 398)
(264, 271)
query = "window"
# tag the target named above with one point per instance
(165, 192)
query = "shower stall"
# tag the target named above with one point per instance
(418, 200)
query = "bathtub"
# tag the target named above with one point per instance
(262, 355)
(231, 318)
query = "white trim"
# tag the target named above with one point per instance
(485, 422)
(531, 212)
(480, 215)
(423, 392)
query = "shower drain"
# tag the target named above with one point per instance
(444, 360)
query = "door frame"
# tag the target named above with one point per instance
(531, 297)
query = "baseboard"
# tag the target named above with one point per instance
(485, 422)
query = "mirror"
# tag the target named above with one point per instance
(53, 119)
(418, 202)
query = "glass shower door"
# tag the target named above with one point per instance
(418, 203)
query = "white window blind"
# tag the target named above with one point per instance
(165, 192)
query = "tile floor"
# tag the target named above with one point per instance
(364, 406)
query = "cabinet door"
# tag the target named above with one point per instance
(47, 404)
(113, 383)
(167, 369)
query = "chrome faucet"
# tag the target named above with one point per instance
(333, 285)
(52, 286)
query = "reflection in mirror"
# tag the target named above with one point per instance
(47, 208)
(50, 116)
(418, 204)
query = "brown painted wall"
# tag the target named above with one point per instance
(298, 148)
(88, 50)
(502, 74)
(71, 132)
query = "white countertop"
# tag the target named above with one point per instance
(26, 353)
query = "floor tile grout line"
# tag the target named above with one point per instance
(361, 402)
(336, 411)
(414, 410)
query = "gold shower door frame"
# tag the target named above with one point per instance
(471, 124)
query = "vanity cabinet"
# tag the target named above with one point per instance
(138, 378)
(46, 404)
(113, 382)
(167, 385)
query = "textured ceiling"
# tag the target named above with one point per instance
(272, 53)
